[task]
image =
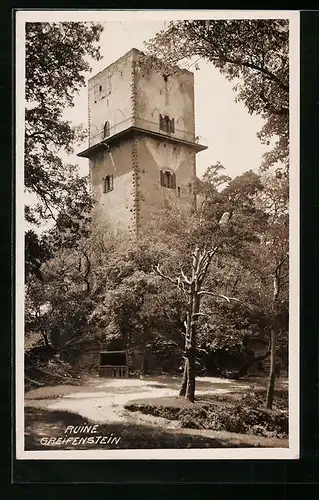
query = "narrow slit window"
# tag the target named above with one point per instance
(108, 183)
(167, 124)
(172, 126)
(179, 192)
(106, 129)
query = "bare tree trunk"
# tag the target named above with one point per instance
(273, 348)
(184, 384)
(145, 364)
(191, 382)
(191, 379)
(277, 285)
(272, 374)
(182, 390)
(192, 287)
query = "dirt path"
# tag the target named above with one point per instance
(103, 400)
(50, 410)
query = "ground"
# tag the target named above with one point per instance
(105, 402)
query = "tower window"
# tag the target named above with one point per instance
(100, 88)
(108, 183)
(168, 179)
(179, 192)
(106, 130)
(166, 124)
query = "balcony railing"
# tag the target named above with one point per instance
(142, 123)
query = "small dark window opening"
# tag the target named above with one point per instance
(108, 183)
(190, 187)
(168, 179)
(165, 78)
(179, 192)
(172, 125)
(166, 124)
(106, 130)
(100, 88)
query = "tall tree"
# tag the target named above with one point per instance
(229, 220)
(274, 259)
(252, 52)
(56, 60)
(192, 286)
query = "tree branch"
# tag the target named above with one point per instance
(159, 272)
(187, 281)
(221, 296)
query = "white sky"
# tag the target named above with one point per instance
(223, 125)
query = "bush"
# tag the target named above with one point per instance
(244, 417)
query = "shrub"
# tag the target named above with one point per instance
(231, 417)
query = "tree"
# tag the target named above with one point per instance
(192, 287)
(275, 258)
(229, 231)
(134, 309)
(37, 252)
(58, 303)
(55, 61)
(254, 53)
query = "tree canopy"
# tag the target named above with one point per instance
(56, 60)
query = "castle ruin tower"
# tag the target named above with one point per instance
(142, 148)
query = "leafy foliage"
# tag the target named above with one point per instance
(38, 252)
(58, 304)
(132, 304)
(56, 61)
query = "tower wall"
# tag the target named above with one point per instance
(118, 205)
(172, 96)
(154, 156)
(134, 100)
(110, 99)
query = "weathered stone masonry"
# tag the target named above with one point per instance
(130, 150)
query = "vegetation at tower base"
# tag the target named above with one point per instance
(56, 60)
(105, 287)
(225, 256)
(252, 53)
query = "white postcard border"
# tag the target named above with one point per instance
(161, 454)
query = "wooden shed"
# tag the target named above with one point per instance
(113, 364)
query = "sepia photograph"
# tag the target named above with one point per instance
(157, 234)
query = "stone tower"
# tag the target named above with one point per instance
(142, 147)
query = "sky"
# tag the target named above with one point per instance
(222, 124)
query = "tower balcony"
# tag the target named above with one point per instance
(116, 137)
